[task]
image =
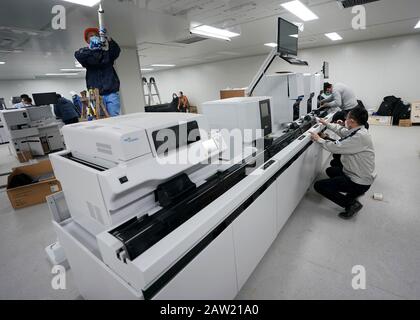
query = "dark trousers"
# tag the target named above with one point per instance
(72, 120)
(339, 188)
(336, 161)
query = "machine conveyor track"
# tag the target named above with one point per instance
(139, 234)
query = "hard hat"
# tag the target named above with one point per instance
(89, 30)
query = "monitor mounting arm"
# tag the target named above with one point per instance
(261, 72)
(266, 64)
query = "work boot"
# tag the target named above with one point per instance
(351, 210)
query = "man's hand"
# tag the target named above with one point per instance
(323, 135)
(322, 121)
(95, 43)
(315, 136)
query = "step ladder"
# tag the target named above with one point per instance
(150, 97)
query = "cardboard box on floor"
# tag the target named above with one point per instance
(193, 109)
(380, 120)
(35, 193)
(415, 112)
(24, 156)
(405, 123)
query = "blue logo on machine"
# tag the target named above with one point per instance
(130, 140)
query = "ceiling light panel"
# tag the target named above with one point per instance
(271, 44)
(88, 3)
(334, 36)
(212, 31)
(300, 10)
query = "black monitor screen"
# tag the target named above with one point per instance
(42, 99)
(175, 137)
(2, 104)
(287, 37)
(265, 116)
(16, 100)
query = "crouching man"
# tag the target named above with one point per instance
(351, 180)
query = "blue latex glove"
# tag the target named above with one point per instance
(103, 31)
(95, 43)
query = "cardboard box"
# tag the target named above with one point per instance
(232, 93)
(380, 120)
(24, 156)
(193, 109)
(35, 193)
(405, 123)
(415, 112)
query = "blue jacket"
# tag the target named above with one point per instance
(65, 109)
(99, 64)
(77, 102)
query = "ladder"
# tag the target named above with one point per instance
(96, 107)
(149, 95)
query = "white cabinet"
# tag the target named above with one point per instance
(253, 232)
(293, 183)
(210, 275)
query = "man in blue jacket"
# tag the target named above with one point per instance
(66, 111)
(100, 72)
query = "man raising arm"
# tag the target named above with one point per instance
(100, 72)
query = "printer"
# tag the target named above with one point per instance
(33, 129)
(112, 167)
(149, 209)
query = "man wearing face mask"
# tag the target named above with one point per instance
(339, 96)
(98, 59)
(354, 178)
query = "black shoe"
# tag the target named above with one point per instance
(351, 211)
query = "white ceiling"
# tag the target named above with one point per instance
(154, 26)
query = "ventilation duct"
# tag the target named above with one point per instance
(351, 3)
(191, 39)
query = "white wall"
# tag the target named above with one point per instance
(203, 82)
(373, 69)
(12, 88)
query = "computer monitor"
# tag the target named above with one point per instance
(287, 37)
(2, 104)
(42, 99)
(326, 70)
(16, 100)
(265, 113)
